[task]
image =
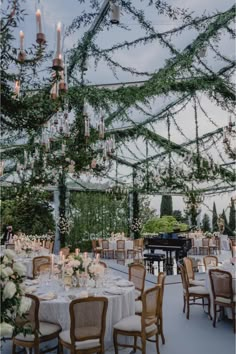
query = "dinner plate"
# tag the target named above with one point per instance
(113, 291)
(124, 284)
(47, 297)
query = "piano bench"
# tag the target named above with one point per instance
(149, 259)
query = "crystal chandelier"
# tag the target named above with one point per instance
(229, 140)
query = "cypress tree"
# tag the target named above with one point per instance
(232, 218)
(226, 230)
(214, 218)
(166, 205)
(206, 223)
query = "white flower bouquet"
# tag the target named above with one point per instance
(13, 302)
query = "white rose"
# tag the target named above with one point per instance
(19, 268)
(10, 254)
(24, 305)
(6, 329)
(8, 270)
(9, 290)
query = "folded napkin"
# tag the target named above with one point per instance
(124, 283)
(113, 291)
(48, 296)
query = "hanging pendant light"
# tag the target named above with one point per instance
(21, 54)
(40, 36)
(1, 168)
(115, 13)
(101, 128)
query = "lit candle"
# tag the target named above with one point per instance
(60, 255)
(22, 40)
(76, 251)
(52, 262)
(38, 21)
(97, 257)
(43, 243)
(85, 255)
(58, 39)
(17, 88)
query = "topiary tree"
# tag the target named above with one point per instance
(232, 218)
(206, 223)
(166, 205)
(214, 218)
(163, 224)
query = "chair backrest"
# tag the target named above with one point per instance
(94, 245)
(232, 247)
(51, 246)
(137, 273)
(44, 267)
(120, 244)
(150, 301)
(205, 242)
(38, 261)
(188, 263)
(211, 261)
(65, 251)
(105, 244)
(161, 281)
(103, 264)
(184, 278)
(88, 319)
(221, 284)
(30, 320)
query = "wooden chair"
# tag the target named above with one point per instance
(223, 295)
(161, 281)
(144, 326)
(188, 263)
(204, 248)
(211, 261)
(106, 251)
(65, 251)
(193, 247)
(40, 331)
(120, 249)
(87, 326)
(95, 248)
(214, 245)
(232, 246)
(137, 273)
(103, 264)
(193, 293)
(37, 263)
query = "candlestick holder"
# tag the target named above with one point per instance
(21, 56)
(57, 64)
(40, 38)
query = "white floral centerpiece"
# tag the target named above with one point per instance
(13, 302)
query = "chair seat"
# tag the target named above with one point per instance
(224, 300)
(201, 290)
(45, 329)
(197, 282)
(137, 293)
(87, 344)
(138, 307)
(133, 324)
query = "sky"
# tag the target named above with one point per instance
(151, 59)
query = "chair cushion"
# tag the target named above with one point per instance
(197, 282)
(45, 329)
(201, 290)
(224, 300)
(133, 324)
(137, 293)
(138, 307)
(86, 344)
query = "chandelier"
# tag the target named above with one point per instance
(229, 140)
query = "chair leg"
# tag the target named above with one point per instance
(135, 344)
(187, 315)
(157, 344)
(209, 308)
(161, 331)
(184, 304)
(115, 341)
(13, 348)
(214, 320)
(60, 347)
(143, 340)
(36, 349)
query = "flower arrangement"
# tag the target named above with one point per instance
(136, 225)
(77, 265)
(63, 224)
(13, 302)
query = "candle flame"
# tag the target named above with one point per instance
(59, 26)
(38, 13)
(22, 34)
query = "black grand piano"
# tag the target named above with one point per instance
(169, 242)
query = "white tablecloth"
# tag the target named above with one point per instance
(224, 242)
(129, 244)
(229, 268)
(57, 310)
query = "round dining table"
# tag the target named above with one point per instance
(55, 301)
